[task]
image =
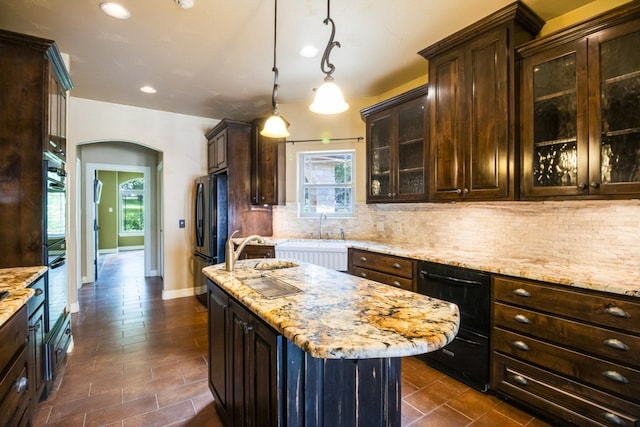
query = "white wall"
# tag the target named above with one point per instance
(180, 139)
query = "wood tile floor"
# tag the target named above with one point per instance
(141, 361)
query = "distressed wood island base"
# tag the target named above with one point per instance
(325, 353)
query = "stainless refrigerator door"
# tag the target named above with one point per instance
(203, 217)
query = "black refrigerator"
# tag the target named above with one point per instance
(210, 226)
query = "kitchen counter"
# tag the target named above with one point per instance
(16, 280)
(335, 315)
(615, 281)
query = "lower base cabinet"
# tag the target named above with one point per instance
(15, 395)
(259, 378)
(573, 355)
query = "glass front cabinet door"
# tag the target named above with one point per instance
(581, 116)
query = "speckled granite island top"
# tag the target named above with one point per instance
(335, 315)
(15, 280)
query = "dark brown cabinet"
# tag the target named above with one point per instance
(15, 395)
(472, 118)
(231, 140)
(580, 97)
(572, 354)
(396, 148)
(244, 364)
(37, 329)
(268, 178)
(388, 269)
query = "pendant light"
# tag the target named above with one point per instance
(275, 126)
(329, 98)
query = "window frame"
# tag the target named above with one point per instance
(301, 186)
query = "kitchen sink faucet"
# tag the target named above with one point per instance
(232, 256)
(322, 216)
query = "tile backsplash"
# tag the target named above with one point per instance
(594, 233)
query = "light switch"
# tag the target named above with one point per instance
(181, 223)
(110, 210)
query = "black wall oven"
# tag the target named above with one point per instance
(467, 356)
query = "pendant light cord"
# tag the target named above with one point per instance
(274, 94)
(330, 68)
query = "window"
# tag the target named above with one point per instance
(326, 183)
(132, 206)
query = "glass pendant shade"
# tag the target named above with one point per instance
(275, 127)
(329, 99)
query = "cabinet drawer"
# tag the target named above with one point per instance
(618, 346)
(57, 346)
(38, 298)
(600, 309)
(396, 266)
(14, 391)
(609, 376)
(13, 335)
(387, 279)
(568, 401)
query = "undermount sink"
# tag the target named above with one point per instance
(271, 287)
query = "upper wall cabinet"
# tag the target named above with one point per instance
(268, 177)
(472, 118)
(580, 109)
(396, 148)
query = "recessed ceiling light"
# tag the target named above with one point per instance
(185, 4)
(115, 10)
(148, 89)
(309, 51)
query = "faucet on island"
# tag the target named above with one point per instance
(322, 216)
(231, 255)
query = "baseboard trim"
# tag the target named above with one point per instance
(181, 293)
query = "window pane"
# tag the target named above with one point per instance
(328, 169)
(132, 205)
(327, 183)
(327, 200)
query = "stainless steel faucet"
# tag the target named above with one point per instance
(231, 256)
(322, 216)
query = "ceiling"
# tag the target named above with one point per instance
(214, 60)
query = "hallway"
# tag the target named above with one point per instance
(142, 361)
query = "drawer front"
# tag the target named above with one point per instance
(38, 298)
(14, 391)
(568, 401)
(609, 376)
(396, 266)
(603, 310)
(13, 335)
(607, 343)
(387, 279)
(56, 347)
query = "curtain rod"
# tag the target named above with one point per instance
(326, 140)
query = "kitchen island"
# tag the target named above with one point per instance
(300, 345)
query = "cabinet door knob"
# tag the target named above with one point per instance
(458, 191)
(39, 291)
(21, 384)
(247, 328)
(396, 284)
(521, 318)
(521, 293)
(617, 344)
(594, 184)
(465, 191)
(396, 265)
(617, 312)
(363, 274)
(363, 259)
(520, 345)
(616, 376)
(582, 186)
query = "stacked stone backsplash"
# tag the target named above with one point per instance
(592, 233)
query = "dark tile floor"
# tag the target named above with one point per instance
(141, 361)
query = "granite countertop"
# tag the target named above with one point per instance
(336, 315)
(16, 280)
(615, 281)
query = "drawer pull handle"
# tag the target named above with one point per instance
(363, 274)
(363, 258)
(395, 265)
(618, 312)
(520, 380)
(520, 345)
(396, 283)
(617, 344)
(616, 376)
(521, 318)
(613, 418)
(522, 293)
(21, 384)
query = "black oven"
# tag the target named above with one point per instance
(467, 356)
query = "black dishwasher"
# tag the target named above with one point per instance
(466, 358)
